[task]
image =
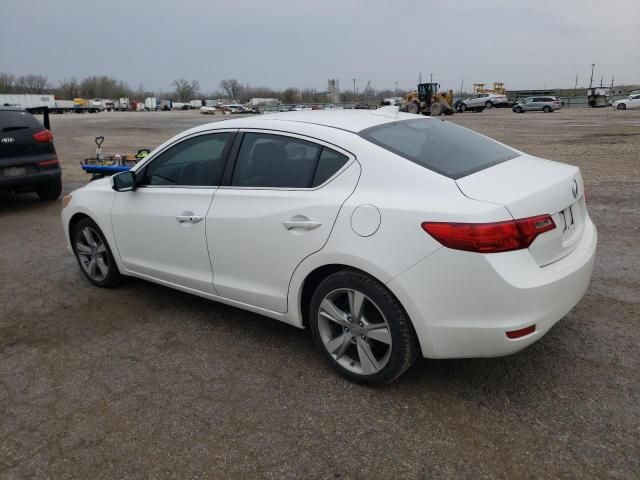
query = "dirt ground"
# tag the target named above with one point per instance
(146, 382)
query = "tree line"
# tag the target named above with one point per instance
(182, 90)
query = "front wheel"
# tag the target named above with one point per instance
(488, 105)
(517, 109)
(463, 107)
(621, 106)
(413, 107)
(546, 109)
(94, 255)
(361, 329)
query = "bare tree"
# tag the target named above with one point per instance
(31, 83)
(69, 88)
(186, 91)
(291, 95)
(7, 82)
(231, 87)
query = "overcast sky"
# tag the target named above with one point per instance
(525, 44)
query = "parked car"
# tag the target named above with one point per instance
(537, 104)
(485, 100)
(389, 236)
(458, 106)
(28, 159)
(632, 101)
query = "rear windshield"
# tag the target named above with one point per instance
(440, 146)
(13, 120)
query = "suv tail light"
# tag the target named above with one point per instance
(43, 136)
(49, 163)
(490, 237)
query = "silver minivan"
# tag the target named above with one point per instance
(540, 104)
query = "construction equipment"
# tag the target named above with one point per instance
(498, 88)
(428, 101)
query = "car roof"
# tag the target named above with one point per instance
(350, 120)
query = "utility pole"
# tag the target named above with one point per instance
(461, 86)
(354, 89)
(396, 94)
(601, 79)
(431, 78)
(575, 87)
(591, 79)
(612, 77)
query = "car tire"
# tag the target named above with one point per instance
(546, 109)
(463, 107)
(518, 109)
(436, 109)
(345, 336)
(488, 105)
(621, 106)
(94, 255)
(413, 107)
(51, 191)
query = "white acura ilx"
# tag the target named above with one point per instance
(388, 235)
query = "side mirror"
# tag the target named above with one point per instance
(124, 181)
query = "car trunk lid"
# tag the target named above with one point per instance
(529, 186)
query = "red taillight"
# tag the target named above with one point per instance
(490, 237)
(521, 333)
(43, 136)
(49, 163)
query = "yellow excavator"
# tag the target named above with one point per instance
(428, 101)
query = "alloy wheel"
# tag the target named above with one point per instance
(92, 253)
(354, 331)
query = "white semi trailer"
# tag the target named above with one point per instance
(27, 101)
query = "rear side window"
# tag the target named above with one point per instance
(443, 147)
(275, 161)
(12, 120)
(330, 162)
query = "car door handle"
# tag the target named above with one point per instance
(188, 217)
(303, 224)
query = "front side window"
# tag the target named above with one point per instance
(197, 161)
(440, 146)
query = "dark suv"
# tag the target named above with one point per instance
(28, 160)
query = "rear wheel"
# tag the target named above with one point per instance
(621, 106)
(94, 255)
(361, 329)
(517, 109)
(489, 104)
(413, 107)
(50, 191)
(546, 109)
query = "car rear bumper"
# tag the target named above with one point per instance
(462, 304)
(40, 178)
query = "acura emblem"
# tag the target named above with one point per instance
(7, 140)
(574, 188)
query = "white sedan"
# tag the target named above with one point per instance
(389, 235)
(632, 101)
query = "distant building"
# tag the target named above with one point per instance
(333, 90)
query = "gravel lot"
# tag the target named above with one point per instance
(146, 382)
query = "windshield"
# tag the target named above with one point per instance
(440, 146)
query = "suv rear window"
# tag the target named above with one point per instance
(16, 120)
(443, 147)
